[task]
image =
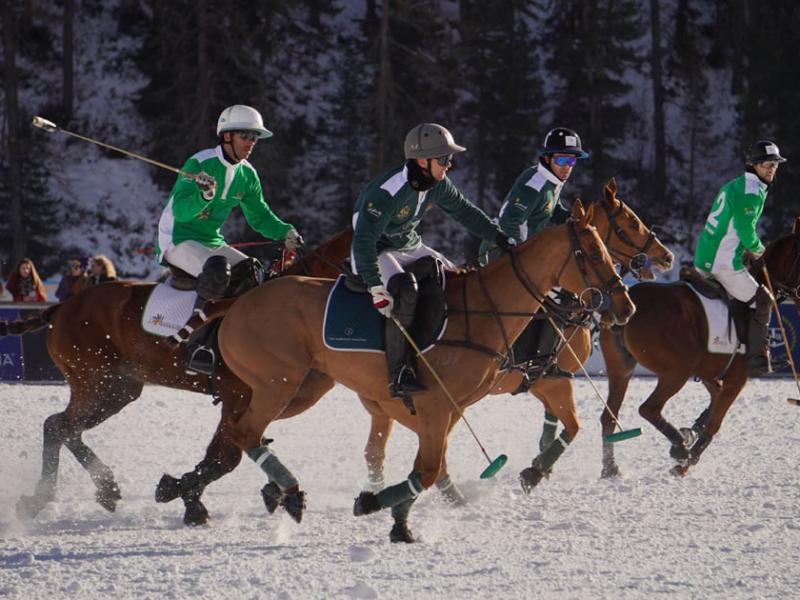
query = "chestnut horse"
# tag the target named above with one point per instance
(96, 341)
(278, 352)
(668, 336)
(628, 241)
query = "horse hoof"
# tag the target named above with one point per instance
(679, 470)
(168, 488)
(29, 506)
(108, 495)
(272, 496)
(529, 478)
(196, 514)
(366, 503)
(401, 533)
(294, 504)
(610, 472)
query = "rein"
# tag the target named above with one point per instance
(609, 287)
(641, 251)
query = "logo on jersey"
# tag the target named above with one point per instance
(404, 211)
(373, 211)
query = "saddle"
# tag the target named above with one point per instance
(738, 312)
(431, 307)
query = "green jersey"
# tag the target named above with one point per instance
(188, 216)
(730, 229)
(529, 206)
(389, 210)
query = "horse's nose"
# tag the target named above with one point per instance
(625, 315)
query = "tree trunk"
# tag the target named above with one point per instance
(68, 74)
(12, 148)
(659, 165)
(383, 88)
(203, 87)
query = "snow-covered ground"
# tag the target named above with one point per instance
(730, 529)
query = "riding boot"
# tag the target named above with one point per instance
(400, 360)
(212, 283)
(757, 357)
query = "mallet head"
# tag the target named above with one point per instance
(43, 123)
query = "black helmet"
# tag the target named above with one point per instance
(763, 150)
(563, 141)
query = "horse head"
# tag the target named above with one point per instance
(782, 261)
(628, 240)
(593, 270)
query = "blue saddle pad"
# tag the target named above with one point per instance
(351, 322)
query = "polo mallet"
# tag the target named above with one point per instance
(794, 401)
(494, 465)
(622, 434)
(49, 126)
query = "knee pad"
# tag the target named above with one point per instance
(429, 267)
(245, 275)
(403, 288)
(213, 280)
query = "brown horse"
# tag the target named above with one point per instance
(279, 352)
(628, 241)
(96, 341)
(668, 336)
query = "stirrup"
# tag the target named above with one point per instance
(406, 383)
(201, 361)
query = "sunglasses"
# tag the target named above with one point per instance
(565, 161)
(769, 164)
(248, 136)
(444, 161)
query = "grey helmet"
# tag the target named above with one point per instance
(563, 141)
(429, 140)
(763, 150)
(242, 118)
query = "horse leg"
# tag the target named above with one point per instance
(447, 488)
(557, 396)
(375, 450)
(668, 386)
(91, 403)
(714, 415)
(270, 398)
(432, 434)
(619, 368)
(222, 457)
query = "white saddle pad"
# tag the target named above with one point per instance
(722, 338)
(167, 310)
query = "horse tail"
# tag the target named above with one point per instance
(34, 323)
(213, 309)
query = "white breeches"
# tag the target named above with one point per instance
(392, 262)
(191, 256)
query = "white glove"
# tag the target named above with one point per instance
(382, 300)
(207, 185)
(293, 240)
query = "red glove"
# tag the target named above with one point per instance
(382, 300)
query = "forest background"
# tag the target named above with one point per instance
(666, 96)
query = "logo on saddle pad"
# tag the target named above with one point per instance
(159, 320)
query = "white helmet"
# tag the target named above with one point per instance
(242, 118)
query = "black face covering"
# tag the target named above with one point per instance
(419, 179)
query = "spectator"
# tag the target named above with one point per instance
(101, 269)
(24, 283)
(73, 281)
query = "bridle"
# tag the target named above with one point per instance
(599, 298)
(635, 262)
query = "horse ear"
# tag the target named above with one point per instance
(796, 230)
(577, 210)
(610, 191)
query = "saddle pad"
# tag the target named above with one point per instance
(352, 324)
(167, 310)
(722, 338)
